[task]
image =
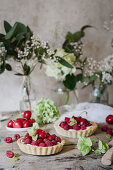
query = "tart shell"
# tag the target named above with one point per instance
(75, 133)
(37, 150)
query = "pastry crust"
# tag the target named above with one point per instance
(75, 133)
(37, 150)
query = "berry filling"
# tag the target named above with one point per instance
(42, 139)
(75, 123)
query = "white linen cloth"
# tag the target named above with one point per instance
(95, 112)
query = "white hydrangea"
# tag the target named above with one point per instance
(58, 71)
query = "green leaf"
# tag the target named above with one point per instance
(93, 77)
(26, 69)
(85, 79)
(8, 67)
(19, 74)
(72, 122)
(0, 140)
(108, 136)
(2, 37)
(84, 145)
(74, 37)
(64, 62)
(7, 26)
(70, 81)
(32, 133)
(102, 147)
(16, 29)
(14, 158)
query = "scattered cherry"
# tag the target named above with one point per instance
(104, 128)
(8, 140)
(109, 119)
(9, 154)
(16, 136)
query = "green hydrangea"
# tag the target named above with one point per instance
(45, 111)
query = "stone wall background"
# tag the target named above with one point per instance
(51, 19)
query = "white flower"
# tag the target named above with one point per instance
(106, 77)
(58, 71)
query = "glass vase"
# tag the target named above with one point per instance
(28, 94)
(99, 94)
(62, 96)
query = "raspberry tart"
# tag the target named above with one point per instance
(38, 142)
(75, 127)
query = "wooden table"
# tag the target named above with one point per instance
(68, 159)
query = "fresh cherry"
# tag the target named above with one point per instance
(27, 114)
(20, 119)
(9, 154)
(104, 128)
(42, 135)
(32, 121)
(17, 124)
(10, 123)
(26, 124)
(67, 119)
(109, 131)
(8, 140)
(109, 119)
(76, 127)
(16, 136)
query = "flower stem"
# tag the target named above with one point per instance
(67, 97)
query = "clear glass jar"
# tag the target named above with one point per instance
(62, 96)
(28, 94)
(99, 94)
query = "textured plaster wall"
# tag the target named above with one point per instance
(51, 19)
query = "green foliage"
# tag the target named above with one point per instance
(64, 62)
(7, 26)
(108, 136)
(15, 158)
(84, 145)
(32, 133)
(73, 37)
(102, 147)
(72, 122)
(71, 81)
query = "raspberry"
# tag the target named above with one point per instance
(67, 119)
(83, 121)
(38, 131)
(16, 136)
(42, 135)
(58, 139)
(109, 131)
(27, 134)
(54, 136)
(48, 143)
(48, 134)
(104, 128)
(66, 127)
(62, 124)
(45, 140)
(76, 127)
(50, 137)
(54, 142)
(42, 144)
(39, 141)
(83, 127)
(27, 141)
(8, 140)
(34, 143)
(9, 154)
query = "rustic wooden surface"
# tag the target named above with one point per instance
(68, 159)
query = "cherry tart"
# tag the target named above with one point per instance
(75, 127)
(44, 143)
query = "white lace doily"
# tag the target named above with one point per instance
(95, 112)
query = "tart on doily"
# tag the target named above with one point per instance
(75, 127)
(40, 143)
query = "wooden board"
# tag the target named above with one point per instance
(68, 159)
